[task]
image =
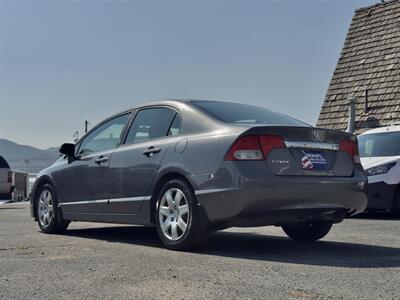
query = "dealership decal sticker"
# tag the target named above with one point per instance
(313, 160)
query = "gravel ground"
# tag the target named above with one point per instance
(359, 259)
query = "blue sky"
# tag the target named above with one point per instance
(64, 62)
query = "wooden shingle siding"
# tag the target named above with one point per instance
(370, 60)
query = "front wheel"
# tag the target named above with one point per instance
(307, 232)
(48, 214)
(177, 217)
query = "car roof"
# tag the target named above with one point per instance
(390, 128)
(178, 101)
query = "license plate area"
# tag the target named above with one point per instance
(313, 160)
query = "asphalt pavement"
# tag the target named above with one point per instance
(359, 259)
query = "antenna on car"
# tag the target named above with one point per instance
(76, 136)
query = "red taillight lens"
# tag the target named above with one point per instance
(351, 147)
(269, 142)
(254, 147)
(9, 178)
(245, 148)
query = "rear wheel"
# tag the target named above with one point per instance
(310, 231)
(48, 214)
(177, 218)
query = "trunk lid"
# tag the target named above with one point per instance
(309, 151)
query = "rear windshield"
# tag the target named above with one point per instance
(379, 144)
(3, 163)
(243, 113)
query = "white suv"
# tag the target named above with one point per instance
(380, 157)
(6, 187)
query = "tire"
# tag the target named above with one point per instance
(171, 216)
(395, 211)
(46, 203)
(307, 232)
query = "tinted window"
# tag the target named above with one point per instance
(243, 113)
(150, 124)
(3, 163)
(175, 126)
(379, 144)
(105, 137)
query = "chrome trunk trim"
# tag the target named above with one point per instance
(312, 145)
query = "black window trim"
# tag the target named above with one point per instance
(137, 110)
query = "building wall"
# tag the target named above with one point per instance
(369, 64)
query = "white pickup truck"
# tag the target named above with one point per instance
(380, 157)
(6, 186)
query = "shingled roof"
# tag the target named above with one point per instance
(369, 64)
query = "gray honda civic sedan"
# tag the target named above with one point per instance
(190, 167)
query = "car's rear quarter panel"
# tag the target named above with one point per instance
(201, 159)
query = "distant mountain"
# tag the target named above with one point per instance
(27, 158)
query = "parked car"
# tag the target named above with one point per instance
(6, 187)
(380, 156)
(189, 167)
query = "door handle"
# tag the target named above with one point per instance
(101, 160)
(150, 151)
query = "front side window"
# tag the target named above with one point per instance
(149, 124)
(379, 144)
(106, 136)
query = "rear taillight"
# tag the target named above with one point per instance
(9, 177)
(245, 148)
(254, 147)
(351, 147)
(269, 142)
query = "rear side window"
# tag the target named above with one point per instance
(150, 124)
(3, 163)
(175, 126)
(243, 113)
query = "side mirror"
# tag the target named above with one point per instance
(68, 150)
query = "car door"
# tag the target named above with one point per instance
(135, 163)
(82, 184)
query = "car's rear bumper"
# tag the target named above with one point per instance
(381, 195)
(276, 200)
